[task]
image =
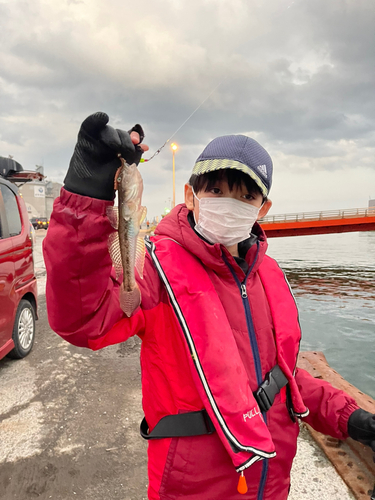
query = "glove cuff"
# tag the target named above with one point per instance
(344, 417)
(82, 203)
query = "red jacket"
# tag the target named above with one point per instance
(199, 467)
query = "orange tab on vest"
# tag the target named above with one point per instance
(242, 485)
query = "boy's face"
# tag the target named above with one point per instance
(221, 190)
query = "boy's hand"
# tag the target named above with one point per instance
(361, 427)
(96, 156)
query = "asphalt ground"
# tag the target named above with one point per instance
(69, 424)
(69, 418)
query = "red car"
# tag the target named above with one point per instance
(18, 286)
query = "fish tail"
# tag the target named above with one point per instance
(129, 301)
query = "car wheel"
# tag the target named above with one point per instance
(23, 330)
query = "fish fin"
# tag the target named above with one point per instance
(140, 254)
(115, 252)
(112, 214)
(142, 216)
(130, 301)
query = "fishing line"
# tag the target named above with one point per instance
(187, 119)
(206, 99)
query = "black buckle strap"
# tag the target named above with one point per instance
(198, 423)
(274, 381)
(194, 423)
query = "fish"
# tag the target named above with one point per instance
(126, 247)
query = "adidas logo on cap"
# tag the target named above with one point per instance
(263, 169)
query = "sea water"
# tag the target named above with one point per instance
(333, 279)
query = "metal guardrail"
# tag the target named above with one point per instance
(351, 213)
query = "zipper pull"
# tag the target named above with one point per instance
(243, 290)
(242, 485)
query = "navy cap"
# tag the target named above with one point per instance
(237, 152)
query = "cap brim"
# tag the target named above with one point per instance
(205, 166)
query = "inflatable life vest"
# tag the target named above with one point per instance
(216, 366)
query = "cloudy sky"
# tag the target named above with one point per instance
(298, 76)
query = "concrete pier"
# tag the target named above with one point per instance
(69, 421)
(313, 475)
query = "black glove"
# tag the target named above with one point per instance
(95, 159)
(361, 427)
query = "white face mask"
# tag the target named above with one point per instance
(225, 220)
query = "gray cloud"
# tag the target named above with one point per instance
(298, 76)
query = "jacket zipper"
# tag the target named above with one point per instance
(255, 351)
(249, 320)
(250, 328)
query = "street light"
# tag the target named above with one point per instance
(174, 149)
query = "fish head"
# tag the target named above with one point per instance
(130, 186)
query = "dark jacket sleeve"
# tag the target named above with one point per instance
(82, 292)
(330, 408)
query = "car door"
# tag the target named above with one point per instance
(7, 274)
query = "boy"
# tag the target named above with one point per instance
(219, 326)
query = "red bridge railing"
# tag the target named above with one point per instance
(326, 215)
(328, 221)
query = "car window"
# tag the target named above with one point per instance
(11, 210)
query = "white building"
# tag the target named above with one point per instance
(39, 196)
